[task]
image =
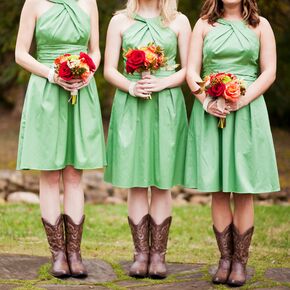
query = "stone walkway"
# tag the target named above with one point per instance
(23, 272)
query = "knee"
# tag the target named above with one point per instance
(72, 176)
(50, 177)
(221, 197)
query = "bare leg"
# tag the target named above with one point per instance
(73, 193)
(161, 204)
(244, 212)
(138, 205)
(221, 210)
(49, 195)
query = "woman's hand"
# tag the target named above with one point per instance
(140, 91)
(153, 84)
(234, 106)
(70, 86)
(213, 110)
(79, 84)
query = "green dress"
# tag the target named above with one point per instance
(239, 158)
(147, 138)
(53, 132)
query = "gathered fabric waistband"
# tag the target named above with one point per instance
(48, 53)
(247, 73)
(159, 73)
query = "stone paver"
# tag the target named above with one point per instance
(250, 271)
(278, 274)
(8, 286)
(173, 268)
(26, 268)
(201, 285)
(71, 287)
(20, 267)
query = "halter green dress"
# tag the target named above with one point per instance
(147, 138)
(239, 158)
(53, 132)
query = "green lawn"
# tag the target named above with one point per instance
(107, 237)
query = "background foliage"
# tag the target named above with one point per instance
(13, 79)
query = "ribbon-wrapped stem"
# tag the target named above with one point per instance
(146, 73)
(73, 97)
(221, 104)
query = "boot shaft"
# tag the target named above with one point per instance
(242, 244)
(225, 242)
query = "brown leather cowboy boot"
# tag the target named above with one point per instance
(159, 238)
(240, 257)
(73, 234)
(225, 244)
(55, 237)
(140, 235)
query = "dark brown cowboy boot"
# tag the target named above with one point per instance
(225, 244)
(73, 234)
(159, 237)
(140, 235)
(55, 237)
(240, 257)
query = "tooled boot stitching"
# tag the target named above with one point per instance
(56, 241)
(240, 258)
(225, 244)
(73, 246)
(159, 238)
(140, 235)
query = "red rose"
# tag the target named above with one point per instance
(135, 60)
(217, 90)
(88, 61)
(65, 72)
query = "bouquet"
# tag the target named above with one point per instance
(223, 86)
(145, 59)
(70, 67)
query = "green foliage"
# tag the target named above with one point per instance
(276, 11)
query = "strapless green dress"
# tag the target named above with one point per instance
(53, 132)
(147, 138)
(239, 158)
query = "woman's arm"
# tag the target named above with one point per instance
(194, 66)
(94, 45)
(23, 44)
(268, 64)
(182, 28)
(112, 54)
(24, 40)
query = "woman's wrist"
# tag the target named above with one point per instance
(206, 102)
(132, 89)
(50, 75)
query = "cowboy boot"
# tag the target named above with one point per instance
(140, 235)
(159, 238)
(55, 238)
(240, 257)
(225, 245)
(73, 234)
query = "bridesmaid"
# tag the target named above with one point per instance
(147, 138)
(56, 137)
(231, 37)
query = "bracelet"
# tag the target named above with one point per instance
(131, 89)
(50, 76)
(197, 92)
(206, 101)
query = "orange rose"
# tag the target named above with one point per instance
(232, 91)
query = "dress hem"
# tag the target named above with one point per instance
(234, 191)
(61, 168)
(142, 186)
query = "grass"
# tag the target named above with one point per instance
(107, 237)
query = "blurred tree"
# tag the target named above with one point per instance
(13, 79)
